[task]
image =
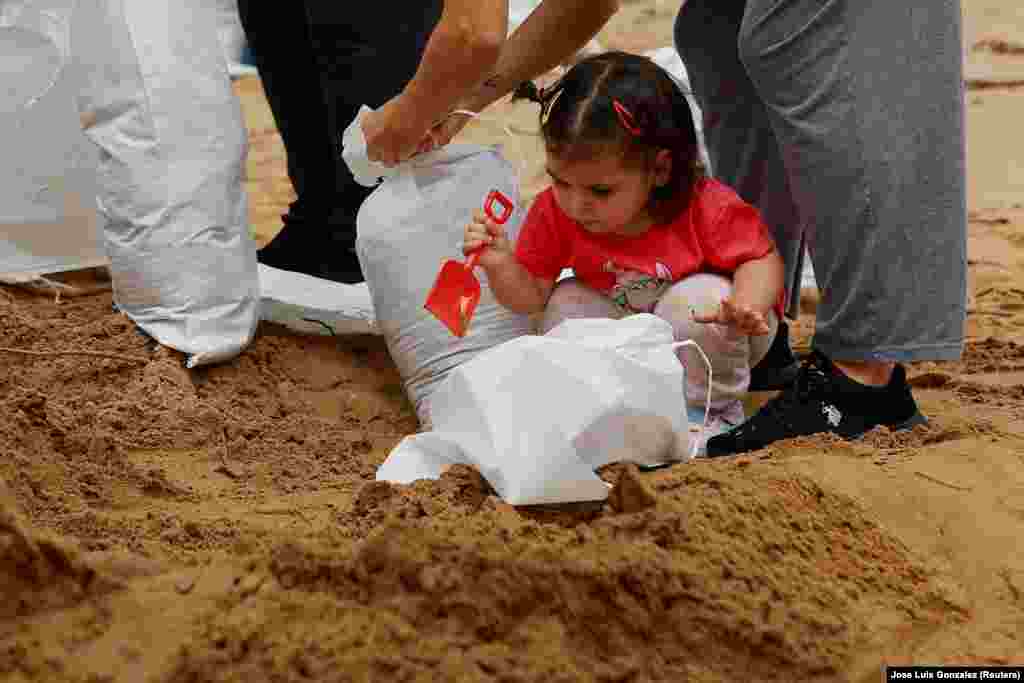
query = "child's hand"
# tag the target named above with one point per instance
(482, 231)
(744, 318)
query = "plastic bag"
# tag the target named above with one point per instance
(353, 152)
(406, 229)
(157, 101)
(537, 415)
(48, 220)
(229, 29)
(311, 305)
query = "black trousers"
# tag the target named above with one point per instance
(319, 60)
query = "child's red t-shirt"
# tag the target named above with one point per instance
(716, 233)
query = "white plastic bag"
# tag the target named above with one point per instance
(312, 305)
(48, 220)
(537, 415)
(229, 29)
(353, 152)
(406, 229)
(157, 101)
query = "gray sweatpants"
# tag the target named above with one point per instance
(843, 121)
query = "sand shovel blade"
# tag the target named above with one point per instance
(456, 292)
(454, 296)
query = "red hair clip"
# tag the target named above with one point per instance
(626, 119)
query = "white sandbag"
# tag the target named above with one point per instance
(312, 305)
(157, 101)
(229, 28)
(353, 152)
(406, 229)
(538, 414)
(48, 220)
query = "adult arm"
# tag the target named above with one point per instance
(460, 52)
(555, 31)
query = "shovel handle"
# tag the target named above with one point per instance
(506, 210)
(506, 206)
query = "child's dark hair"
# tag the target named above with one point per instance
(624, 104)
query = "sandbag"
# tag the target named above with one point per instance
(48, 219)
(229, 29)
(156, 100)
(406, 229)
(312, 305)
(538, 414)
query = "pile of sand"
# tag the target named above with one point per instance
(242, 495)
(222, 524)
(713, 572)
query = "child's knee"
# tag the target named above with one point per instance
(693, 295)
(571, 299)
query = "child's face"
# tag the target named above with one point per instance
(605, 196)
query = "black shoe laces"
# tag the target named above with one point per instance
(812, 382)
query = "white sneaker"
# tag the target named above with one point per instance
(720, 420)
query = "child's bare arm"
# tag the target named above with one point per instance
(756, 288)
(515, 288)
(757, 284)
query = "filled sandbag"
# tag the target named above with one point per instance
(538, 414)
(48, 219)
(156, 100)
(312, 305)
(410, 225)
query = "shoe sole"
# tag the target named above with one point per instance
(917, 419)
(913, 421)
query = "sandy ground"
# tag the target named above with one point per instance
(158, 524)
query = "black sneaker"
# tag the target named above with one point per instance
(779, 368)
(301, 249)
(823, 399)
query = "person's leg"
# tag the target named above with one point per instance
(872, 124)
(732, 354)
(318, 62)
(365, 54)
(278, 34)
(743, 150)
(873, 127)
(571, 300)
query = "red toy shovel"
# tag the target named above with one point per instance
(456, 292)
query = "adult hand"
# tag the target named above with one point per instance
(393, 134)
(746, 319)
(445, 130)
(442, 132)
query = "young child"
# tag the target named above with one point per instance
(630, 211)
